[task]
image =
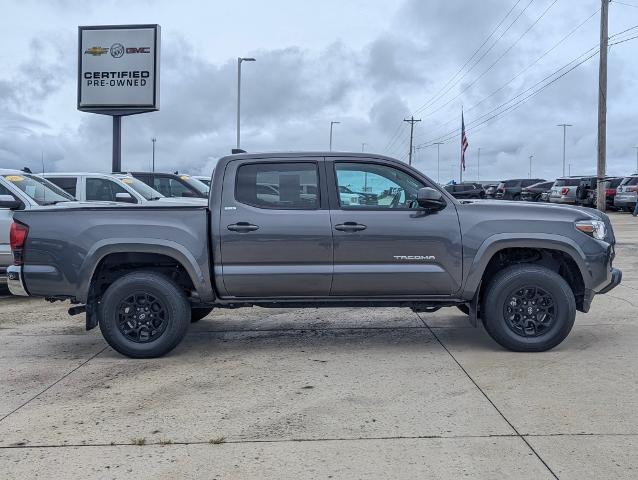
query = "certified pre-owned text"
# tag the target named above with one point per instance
(134, 78)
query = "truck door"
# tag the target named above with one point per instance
(275, 232)
(384, 245)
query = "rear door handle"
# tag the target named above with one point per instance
(350, 227)
(242, 227)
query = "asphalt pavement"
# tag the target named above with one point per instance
(324, 393)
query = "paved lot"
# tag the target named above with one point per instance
(337, 393)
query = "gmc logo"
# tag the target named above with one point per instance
(138, 50)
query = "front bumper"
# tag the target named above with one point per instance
(616, 278)
(14, 281)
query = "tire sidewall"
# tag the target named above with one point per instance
(165, 290)
(515, 278)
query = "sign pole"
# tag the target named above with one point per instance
(117, 143)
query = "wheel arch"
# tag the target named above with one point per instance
(136, 254)
(557, 252)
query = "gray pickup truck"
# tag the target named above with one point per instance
(316, 230)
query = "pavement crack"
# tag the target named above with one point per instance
(53, 384)
(467, 374)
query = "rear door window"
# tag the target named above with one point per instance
(286, 186)
(68, 184)
(102, 189)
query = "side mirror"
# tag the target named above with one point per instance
(7, 201)
(430, 199)
(124, 198)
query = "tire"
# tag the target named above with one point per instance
(197, 313)
(505, 326)
(464, 308)
(157, 296)
(516, 198)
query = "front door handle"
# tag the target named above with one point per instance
(242, 227)
(350, 227)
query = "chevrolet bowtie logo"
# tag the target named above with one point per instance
(96, 51)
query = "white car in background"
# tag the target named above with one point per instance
(115, 187)
(22, 191)
(204, 179)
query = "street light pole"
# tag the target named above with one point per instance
(530, 165)
(636, 159)
(478, 166)
(438, 161)
(331, 124)
(363, 147)
(153, 140)
(564, 125)
(239, 62)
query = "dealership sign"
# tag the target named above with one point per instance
(118, 69)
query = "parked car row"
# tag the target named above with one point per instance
(621, 192)
(22, 190)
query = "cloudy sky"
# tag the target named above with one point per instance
(365, 63)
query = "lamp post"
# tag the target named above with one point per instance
(530, 165)
(478, 166)
(153, 140)
(636, 159)
(331, 124)
(239, 62)
(438, 161)
(564, 125)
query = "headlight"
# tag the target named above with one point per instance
(593, 228)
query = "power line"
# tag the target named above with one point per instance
(625, 4)
(495, 62)
(477, 122)
(562, 40)
(443, 90)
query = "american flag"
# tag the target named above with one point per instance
(464, 143)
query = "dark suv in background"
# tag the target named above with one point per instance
(512, 189)
(466, 190)
(534, 193)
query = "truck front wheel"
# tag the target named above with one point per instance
(144, 315)
(528, 308)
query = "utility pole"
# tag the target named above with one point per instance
(636, 159)
(564, 125)
(363, 147)
(153, 140)
(530, 165)
(438, 161)
(331, 124)
(478, 166)
(411, 121)
(602, 105)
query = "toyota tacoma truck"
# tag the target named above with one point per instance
(285, 230)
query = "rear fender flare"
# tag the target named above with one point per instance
(174, 250)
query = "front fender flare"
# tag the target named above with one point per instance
(501, 241)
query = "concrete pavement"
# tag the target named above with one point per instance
(336, 393)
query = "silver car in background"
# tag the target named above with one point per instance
(22, 191)
(627, 193)
(564, 190)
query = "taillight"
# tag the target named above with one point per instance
(564, 191)
(611, 191)
(17, 238)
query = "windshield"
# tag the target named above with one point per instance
(195, 184)
(630, 181)
(140, 187)
(39, 189)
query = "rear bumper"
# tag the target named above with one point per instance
(624, 202)
(15, 282)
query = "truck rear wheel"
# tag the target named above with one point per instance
(144, 315)
(528, 308)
